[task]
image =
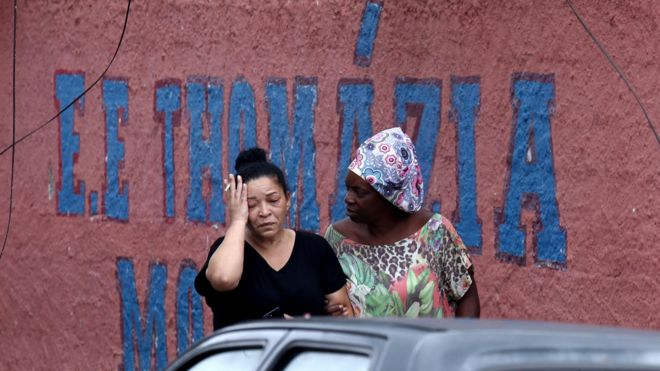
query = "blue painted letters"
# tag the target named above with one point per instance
(71, 193)
(168, 106)
(364, 46)
(532, 176)
(291, 146)
(133, 331)
(465, 109)
(242, 119)
(189, 312)
(115, 100)
(205, 154)
(421, 98)
(354, 104)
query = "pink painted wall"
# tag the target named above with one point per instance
(65, 295)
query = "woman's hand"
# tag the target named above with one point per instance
(236, 193)
(226, 264)
(336, 309)
(338, 304)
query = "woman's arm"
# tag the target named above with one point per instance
(339, 304)
(226, 264)
(468, 306)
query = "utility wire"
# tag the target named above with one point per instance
(121, 38)
(14, 142)
(13, 130)
(616, 68)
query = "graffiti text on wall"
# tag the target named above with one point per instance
(144, 332)
(530, 184)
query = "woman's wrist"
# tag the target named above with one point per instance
(237, 224)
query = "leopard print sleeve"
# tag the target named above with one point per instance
(455, 262)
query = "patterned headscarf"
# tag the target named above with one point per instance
(388, 162)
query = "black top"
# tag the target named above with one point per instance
(311, 272)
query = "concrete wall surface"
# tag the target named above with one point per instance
(530, 141)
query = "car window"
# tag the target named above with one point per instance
(306, 360)
(230, 360)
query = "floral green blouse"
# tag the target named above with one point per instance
(414, 277)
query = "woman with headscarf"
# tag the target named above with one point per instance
(400, 260)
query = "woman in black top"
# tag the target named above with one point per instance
(260, 268)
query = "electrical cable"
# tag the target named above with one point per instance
(14, 141)
(121, 38)
(616, 68)
(13, 131)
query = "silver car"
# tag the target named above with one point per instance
(396, 344)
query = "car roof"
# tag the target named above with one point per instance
(388, 325)
(420, 344)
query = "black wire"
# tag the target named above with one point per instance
(14, 142)
(121, 38)
(616, 68)
(13, 131)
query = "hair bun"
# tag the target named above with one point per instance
(250, 156)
